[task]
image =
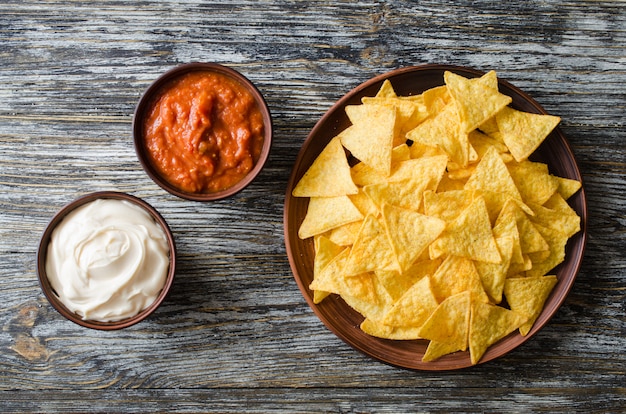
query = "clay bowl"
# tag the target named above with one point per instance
(42, 254)
(152, 93)
(333, 311)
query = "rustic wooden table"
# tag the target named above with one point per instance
(235, 334)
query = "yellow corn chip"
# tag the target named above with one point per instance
(447, 205)
(436, 98)
(370, 138)
(406, 185)
(531, 240)
(523, 132)
(328, 176)
(443, 131)
(489, 324)
(372, 250)
(381, 330)
(325, 252)
(362, 174)
(326, 213)
(527, 295)
(475, 99)
(327, 280)
(545, 263)
(455, 275)
(491, 174)
(386, 90)
(409, 113)
(533, 181)
(414, 307)
(567, 186)
(449, 323)
(469, 235)
(564, 220)
(437, 349)
(506, 226)
(409, 232)
(397, 283)
(360, 292)
(345, 235)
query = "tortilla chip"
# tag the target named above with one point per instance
(326, 213)
(328, 176)
(386, 90)
(489, 324)
(523, 132)
(406, 185)
(469, 235)
(370, 138)
(409, 113)
(491, 174)
(455, 275)
(371, 250)
(449, 323)
(556, 254)
(527, 295)
(380, 330)
(563, 220)
(475, 99)
(567, 186)
(409, 232)
(443, 131)
(414, 307)
(533, 181)
(531, 240)
(397, 283)
(447, 205)
(366, 295)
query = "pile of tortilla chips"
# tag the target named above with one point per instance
(442, 229)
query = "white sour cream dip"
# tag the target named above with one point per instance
(107, 260)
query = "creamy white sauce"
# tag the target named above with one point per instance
(107, 260)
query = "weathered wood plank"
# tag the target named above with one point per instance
(235, 334)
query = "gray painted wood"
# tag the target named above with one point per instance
(235, 333)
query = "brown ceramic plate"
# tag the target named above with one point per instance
(333, 311)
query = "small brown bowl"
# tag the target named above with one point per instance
(343, 320)
(147, 100)
(42, 253)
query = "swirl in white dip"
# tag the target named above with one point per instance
(107, 260)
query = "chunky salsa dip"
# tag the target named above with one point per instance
(203, 132)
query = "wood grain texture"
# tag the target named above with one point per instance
(235, 335)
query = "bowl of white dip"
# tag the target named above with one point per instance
(106, 260)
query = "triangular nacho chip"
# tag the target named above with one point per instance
(372, 250)
(409, 232)
(489, 324)
(469, 235)
(491, 174)
(380, 330)
(370, 138)
(328, 176)
(443, 131)
(476, 100)
(326, 213)
(527, 295)
(449, 323)
(414, 307)
(455, 275)
(523, 132)
(533, 181)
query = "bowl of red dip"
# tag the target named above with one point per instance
(202, 131)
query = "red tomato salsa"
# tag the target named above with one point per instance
(203, 132)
